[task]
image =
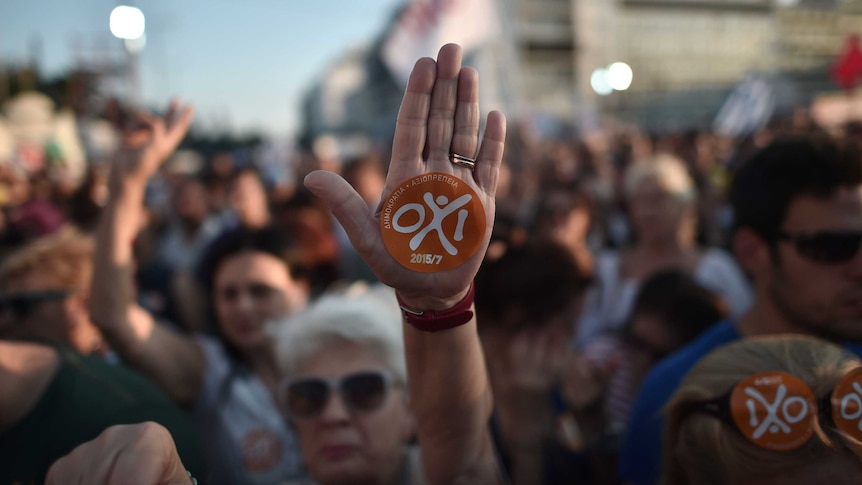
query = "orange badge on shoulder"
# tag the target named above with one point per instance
(847, 404)
(433, 222)
(774, 410)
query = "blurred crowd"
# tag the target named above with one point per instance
(230, 309)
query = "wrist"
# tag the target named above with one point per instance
(426, 302)
(434, 315)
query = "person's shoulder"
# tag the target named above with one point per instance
(97, 375)
(719, 334)
(607, 264)
(855, 347)
(211, 346)
(712, 258)
(216, 356)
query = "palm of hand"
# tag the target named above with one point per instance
(439, 115)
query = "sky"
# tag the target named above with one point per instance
(244, 64)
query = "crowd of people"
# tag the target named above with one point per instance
(639, 309)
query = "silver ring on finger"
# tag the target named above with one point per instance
(462, 161)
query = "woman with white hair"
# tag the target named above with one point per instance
(344, 391)
(662, 210)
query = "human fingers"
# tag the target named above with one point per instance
(412, 125)
(444, 100)
(465, 136)
(491, 153)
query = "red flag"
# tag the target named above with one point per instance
(847, 71)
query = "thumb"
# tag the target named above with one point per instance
(348, 207)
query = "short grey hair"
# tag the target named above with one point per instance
(367, 316)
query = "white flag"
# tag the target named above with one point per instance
(426, 25)
(748, 108)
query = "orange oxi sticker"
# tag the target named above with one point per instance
(774, 410)
(433, 222)
(847, 404)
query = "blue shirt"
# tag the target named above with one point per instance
(640, 458)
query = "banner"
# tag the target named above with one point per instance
(748, 108)
(426, 25)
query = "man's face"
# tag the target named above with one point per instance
(191, 201)
(822, 297)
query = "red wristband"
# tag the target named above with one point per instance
(435, 321)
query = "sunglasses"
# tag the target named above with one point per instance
(22, 305)
(828, 247)
(778, 411)
(361, 392)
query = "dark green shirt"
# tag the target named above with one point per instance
(86, 396)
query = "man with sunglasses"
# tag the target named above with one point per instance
(54, 399)
(44, 291)
(798, 229)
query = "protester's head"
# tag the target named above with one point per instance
(190, 201)
(671, 309)
(532, 286)
(702, 448)
(661, 198)
(253, 277)
(798, 217)
(248, 198)
(44, 288)
(563, 215)
(367, 176)
(307, 218)
(345, 386)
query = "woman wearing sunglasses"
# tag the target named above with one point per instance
(763, 411)
(345, 393)
(436, 136)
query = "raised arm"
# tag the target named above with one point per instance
(448, 382)
(173, 361)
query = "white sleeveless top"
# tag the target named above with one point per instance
(246, 440)
(608, 303)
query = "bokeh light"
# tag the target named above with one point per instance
(127, 22)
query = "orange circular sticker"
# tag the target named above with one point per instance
(847, 404)
(433, 222)
(261, 450)
(774, 410)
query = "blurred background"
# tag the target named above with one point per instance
(285, 87)
(332, 72)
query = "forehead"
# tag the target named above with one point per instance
(340, 358)
(841, 211)
(252, 266)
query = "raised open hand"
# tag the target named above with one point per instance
(439, 116)
(149, 141)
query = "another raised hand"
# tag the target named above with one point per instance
(172, 360)
(149, 140)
